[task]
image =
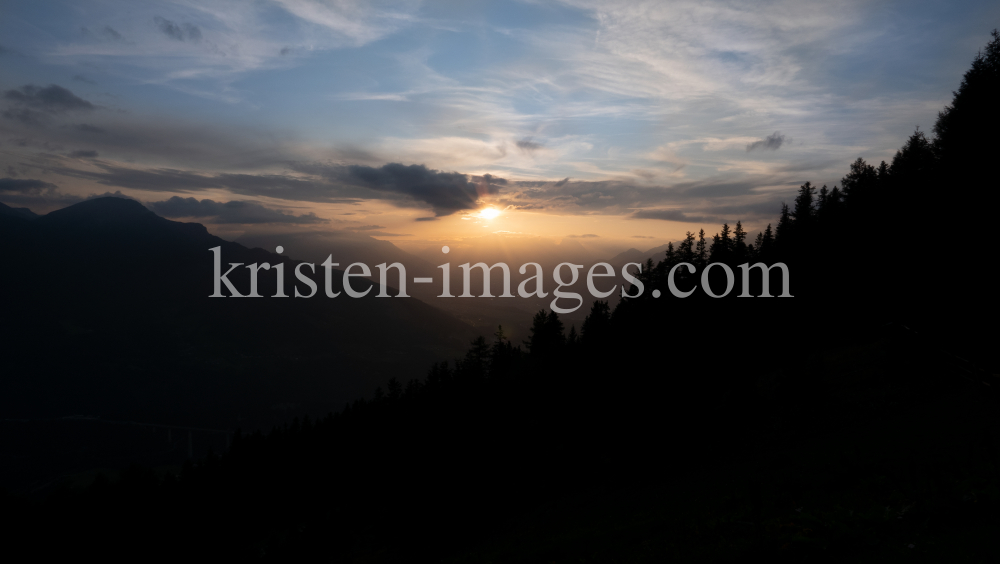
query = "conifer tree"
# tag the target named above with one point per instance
(781, 233)
(767, 243)
(546, 334)
(722, 245)
(739, 243)
(555, 328)
(394, 390)
(476, 358)
(834, 200)
(597, 326)
(882, 172)
(537, 340)
(914, 162)
(860, 181)
(804, 210)
(758, 244)
(701, 252)
(501, 353)
(686, 251)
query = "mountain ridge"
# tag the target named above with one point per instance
(109, 271)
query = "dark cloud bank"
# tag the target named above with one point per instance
(52, 98)
(32, 105)
(445, 192)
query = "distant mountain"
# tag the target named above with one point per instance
(344, 247)
(108, 314)
(657, 253)
(631, 255)
(635, 255)
(24, 213)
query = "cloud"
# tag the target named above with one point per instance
(110, 33)
(25, 116)
(234, 211)
(202, 48)
(154, 180)
(643, 237)
(179, 143)
(670, 215)
(584, 236)
(40, 202)
(280, 186)
(33, 193)
(772, 142)
(354, 23)
(25, 186)
(384, 234)
(670, 71)
(115, 194)
(287, 187)
(47, 192)
(52, 98)
(106, 33)
(178, 32)
(528, 146)
(490, 180)
(701, 198)
(368, 227)
(87, 128)
(82, 78)
(83, 154)
(445, 192)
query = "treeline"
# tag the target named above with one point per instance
(659, 392)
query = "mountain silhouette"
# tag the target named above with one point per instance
(110, 314)
(24, 213)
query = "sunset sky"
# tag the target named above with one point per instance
(611, 124)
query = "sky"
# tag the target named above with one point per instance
(603, 124)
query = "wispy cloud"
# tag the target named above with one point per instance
(233, 211)
(646, 110)
(184, 31)
(53, 99)
(218, 40)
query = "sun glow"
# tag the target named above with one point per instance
(489, 213)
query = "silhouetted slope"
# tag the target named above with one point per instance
(109, 315)
(25, 213)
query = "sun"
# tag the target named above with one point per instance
(489, 213)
